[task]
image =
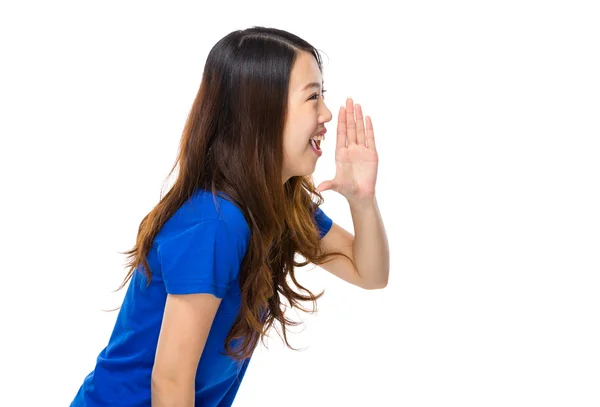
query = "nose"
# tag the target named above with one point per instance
(325, 114)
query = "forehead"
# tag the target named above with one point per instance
(304, 71)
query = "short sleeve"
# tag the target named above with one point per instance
(204, 258)
(323, 222)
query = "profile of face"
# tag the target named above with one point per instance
(306, 118)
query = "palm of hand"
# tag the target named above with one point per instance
(356, 157)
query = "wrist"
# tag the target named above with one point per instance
(360, 204)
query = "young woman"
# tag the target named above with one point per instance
(212, 259)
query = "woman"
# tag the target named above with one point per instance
(212, 259)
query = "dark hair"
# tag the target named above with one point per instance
(232, 143)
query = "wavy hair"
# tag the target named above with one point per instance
(232, 143)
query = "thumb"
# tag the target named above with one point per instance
(325, 185)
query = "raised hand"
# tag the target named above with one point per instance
(356, 158)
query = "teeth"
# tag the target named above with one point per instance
(320, 138)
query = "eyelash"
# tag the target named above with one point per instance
(316, 94)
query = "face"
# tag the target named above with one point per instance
(306, 118)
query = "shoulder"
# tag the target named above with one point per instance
(216, 207)
(205, 211)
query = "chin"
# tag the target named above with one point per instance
(307, 169)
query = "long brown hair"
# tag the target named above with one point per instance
(232, 143)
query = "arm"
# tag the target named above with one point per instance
(368, 249)
(356, 174)
(186, 323)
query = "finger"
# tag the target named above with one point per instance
(341, 129)
(350, 123)
(325, 185)
(360, 125)
(370, 137)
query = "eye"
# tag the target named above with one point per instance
(316, 94)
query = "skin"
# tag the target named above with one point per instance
(356, 174)
(356, 162)
(188, 318)
(306, 116)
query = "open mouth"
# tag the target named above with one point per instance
(315, 142)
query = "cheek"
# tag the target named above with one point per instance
(296, 139)
(299, 128)
(296, 146)
(292, 147)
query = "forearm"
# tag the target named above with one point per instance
(168, 393)
(370, 249)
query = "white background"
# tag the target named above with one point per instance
(487, 119)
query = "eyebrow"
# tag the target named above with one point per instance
(312, 85)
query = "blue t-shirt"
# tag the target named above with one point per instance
(198, 250)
